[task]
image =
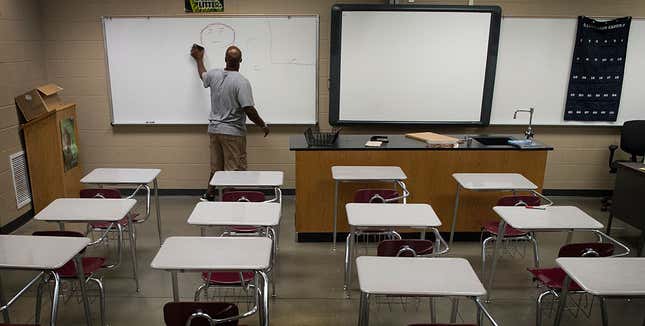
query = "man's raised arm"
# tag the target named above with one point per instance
(197, 52)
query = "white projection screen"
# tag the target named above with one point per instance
(413, 64)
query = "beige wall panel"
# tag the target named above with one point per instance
(74, 50)
(81, 68)
(8, 116)
(22, 66)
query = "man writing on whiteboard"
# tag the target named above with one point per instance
(231, 103)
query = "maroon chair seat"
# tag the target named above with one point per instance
(492, 227)
(391, 248)
(109, 194)
(374, 195)
(177, 313)
(90, 264)
(227, 278)
(553, 278)
(243, 196)
(122, 222)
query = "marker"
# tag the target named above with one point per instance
(536, 207)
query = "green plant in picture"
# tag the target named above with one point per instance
(204, 5)
(70, 147)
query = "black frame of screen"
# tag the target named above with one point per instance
(335, 51)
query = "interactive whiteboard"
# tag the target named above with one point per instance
(153, 79)
(413, 64)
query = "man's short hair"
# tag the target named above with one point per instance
(234, 53)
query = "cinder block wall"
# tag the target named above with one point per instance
(22, 65)
(74, 58)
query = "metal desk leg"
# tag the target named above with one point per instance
(133, 251)
(481, 309)
(433, 310)
(454, 216)
(498, 247)
(265, 299)
(348, 261)
(455, 310)
(569, 236)
(56, 294)
(175, 286)
(609, 220)
(5, 313)
(271, 233)
(562, 301)
(364, 310)
(333, 246)
(603, 311)
(156, 185)
(81, 280)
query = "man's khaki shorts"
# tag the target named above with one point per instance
(228, 153)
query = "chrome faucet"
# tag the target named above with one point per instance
(529, 130)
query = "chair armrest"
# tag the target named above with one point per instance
(612, 152)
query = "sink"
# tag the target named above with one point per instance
(493, 141)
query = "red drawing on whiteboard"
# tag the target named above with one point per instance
(217, 35)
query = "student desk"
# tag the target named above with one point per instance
(420, 277)
(542, 219)
(45, 254)
(429, 178)
(249, 179)
(340, 174)
(628, 196)
(140, 177)
(362, 216)
(487, 182)
(602, 277)
(89, 210)
(264, 215)
(203, 254)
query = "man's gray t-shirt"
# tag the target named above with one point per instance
(230, 93)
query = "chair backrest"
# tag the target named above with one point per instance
(405, 248)
(632, 137)
(374, 195)
(245, 196)
(519, 201)
(100, 193)
(588, 249)
(178, 313)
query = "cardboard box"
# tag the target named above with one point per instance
(38, 101)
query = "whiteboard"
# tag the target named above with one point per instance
(533, 68)
(154, 80)
(381, 53)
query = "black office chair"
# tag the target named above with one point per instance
(632, 142)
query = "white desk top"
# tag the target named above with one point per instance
(235, 213)
(36, 252)
(247, 179)
(551, 218)
(418, 276)
(213, 253)
(607, 276)
(494, 181)
(394, 214)
(367, 173)
(121, 176)
(86, 210)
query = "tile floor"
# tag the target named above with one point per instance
(309, 281)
